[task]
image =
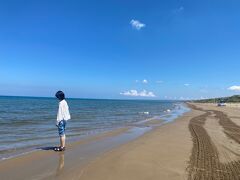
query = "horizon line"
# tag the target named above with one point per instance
(52, 97)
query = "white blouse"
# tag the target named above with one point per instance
(63, 111)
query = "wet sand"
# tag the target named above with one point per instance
(201, 144)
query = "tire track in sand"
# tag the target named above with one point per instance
(204, 161)
(231, 129)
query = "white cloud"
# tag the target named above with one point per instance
(137, 24)
(144, 81)
(234, 88)
(203, 97)
(186, 84)
(135, 93)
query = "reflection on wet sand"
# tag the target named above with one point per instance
(60, 164)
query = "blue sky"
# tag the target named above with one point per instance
(161, 49)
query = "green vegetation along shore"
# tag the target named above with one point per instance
(231, 99)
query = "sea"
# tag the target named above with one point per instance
(28, 123)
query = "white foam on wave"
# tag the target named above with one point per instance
(168, 110)
(145, 112)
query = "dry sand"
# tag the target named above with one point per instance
(215, 152)
(201, 144)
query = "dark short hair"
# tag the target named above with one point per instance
(60, 95)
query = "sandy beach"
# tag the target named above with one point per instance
(119, 90)
(201, 144)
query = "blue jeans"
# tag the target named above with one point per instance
(62, 127)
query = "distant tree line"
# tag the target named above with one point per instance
(231, 99)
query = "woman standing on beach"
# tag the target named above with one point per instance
(62, 116)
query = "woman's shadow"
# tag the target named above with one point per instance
(48, 148)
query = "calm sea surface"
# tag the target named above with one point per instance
(29, 123)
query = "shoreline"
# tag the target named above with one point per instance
(150, 122)
(112, 139)
(202, 143)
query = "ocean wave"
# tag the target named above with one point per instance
(167, 111)
(145, 112)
